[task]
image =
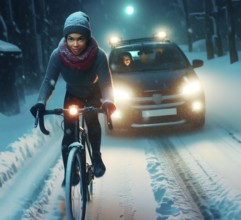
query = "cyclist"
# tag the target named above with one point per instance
(85, 69)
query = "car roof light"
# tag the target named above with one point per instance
(113, 41)
(161, 35)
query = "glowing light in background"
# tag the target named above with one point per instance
(129, 10)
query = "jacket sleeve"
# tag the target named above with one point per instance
(105, 78)
(50, 79)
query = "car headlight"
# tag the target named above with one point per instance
(122, 94)
(191, 87)
(116, 115)
(197, 106)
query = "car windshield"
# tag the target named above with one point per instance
(146, 58)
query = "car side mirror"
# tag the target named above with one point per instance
(197, 63)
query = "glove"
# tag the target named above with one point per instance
(109, 107)
(39, 107)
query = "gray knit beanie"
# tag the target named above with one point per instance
(77, 22)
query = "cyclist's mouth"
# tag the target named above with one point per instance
(76, 51)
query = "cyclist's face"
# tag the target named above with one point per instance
(76, 43)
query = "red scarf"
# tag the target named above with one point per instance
(80, 62)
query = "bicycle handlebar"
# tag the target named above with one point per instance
(59, 111)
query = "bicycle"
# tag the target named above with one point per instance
(79, 171)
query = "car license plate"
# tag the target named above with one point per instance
(159, 112)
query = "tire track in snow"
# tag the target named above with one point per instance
(198, 184)
(124, 192)
(174, 200)
(216, 152)
(126, 197)
(192, 186)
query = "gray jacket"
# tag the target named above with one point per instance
(79, 83)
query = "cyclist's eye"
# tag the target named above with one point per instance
(77, 40)
(81, 39)
(70, 39)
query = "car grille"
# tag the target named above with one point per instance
(157, 99)
(153, 99)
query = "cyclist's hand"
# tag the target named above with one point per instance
(109, 107)
(40, 108)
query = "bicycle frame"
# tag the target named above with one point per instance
(84, 137)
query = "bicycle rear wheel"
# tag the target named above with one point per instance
(75, 187)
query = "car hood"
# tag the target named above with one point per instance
(153, 80)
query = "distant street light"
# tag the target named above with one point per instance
(129, 10)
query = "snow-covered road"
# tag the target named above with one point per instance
(186, 175)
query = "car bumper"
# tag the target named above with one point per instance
(158, 115)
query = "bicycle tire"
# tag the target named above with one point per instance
(75, 195)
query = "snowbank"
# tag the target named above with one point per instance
(23, 149)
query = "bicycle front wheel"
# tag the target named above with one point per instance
(75, 187)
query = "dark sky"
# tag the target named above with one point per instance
(109, 17)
